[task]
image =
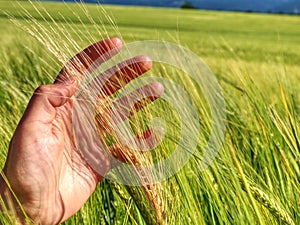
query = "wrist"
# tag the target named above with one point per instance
(10, 209)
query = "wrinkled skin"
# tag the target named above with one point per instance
(44, 168)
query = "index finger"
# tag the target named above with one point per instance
(88, 59)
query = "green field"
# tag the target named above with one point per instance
(256, 177)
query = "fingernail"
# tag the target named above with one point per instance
(158, 88)
(117, 41)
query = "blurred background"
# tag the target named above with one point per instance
(266, 6)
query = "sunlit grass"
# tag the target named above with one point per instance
(255, 178)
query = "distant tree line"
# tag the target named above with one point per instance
(187, 5)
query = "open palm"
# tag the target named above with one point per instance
(44, 168)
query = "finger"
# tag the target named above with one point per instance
(143, 142)
(126, 106)
(108, 118)
(118, 76)
(46, 98)
(88, 59)
(151, 140)
(127, 155)
(108, 122)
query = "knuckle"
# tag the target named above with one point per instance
(49, 90)
(42, 89)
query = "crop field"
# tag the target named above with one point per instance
(255, 178)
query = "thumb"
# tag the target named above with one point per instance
(46, 98)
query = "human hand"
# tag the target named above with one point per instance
(44, 167)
